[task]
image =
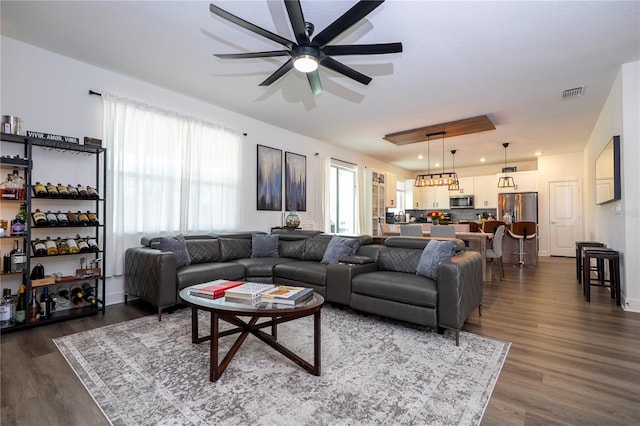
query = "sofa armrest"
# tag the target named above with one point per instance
(338, 283)
(151, 275)
(356, 260)
(459, 288)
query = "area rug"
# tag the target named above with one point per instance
(374, 371)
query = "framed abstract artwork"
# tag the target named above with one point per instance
(269, 178)
(295, 166)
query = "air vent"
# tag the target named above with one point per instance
(510, 169)
(572, 93)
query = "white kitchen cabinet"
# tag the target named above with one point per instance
(437, 197)
(486, 191)
(466, 186)
(390, 190)
(420, 198)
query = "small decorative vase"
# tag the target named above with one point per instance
(292, 220)
(435, 221)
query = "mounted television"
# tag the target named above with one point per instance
(608, 186)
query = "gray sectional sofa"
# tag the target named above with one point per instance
(378, 279)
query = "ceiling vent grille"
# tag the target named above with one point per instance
(572, 93)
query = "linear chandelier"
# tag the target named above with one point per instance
(439, 178)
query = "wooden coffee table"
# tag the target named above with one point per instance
(232, 312)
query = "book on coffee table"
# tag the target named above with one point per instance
(286, 294)
(248, 290)
(214, 289)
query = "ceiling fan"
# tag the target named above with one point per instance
(308, 51)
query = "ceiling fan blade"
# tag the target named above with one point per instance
(297, 21)
(252, 54)
(249, 26)
(345, 70)
(286, 67)
(314, 82)
(363, 49)
(348, 19)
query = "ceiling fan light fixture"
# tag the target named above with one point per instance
(305, 63)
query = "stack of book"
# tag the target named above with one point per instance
(247, 293)
(213, 289)
(286, 295)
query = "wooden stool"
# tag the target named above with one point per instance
(613, 258)
(579, 255)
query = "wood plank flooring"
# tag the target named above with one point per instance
(570, 362)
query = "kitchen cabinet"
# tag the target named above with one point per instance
(466, 186)
(437, 197)
(420, 198)
(486, 191)
(390, 190)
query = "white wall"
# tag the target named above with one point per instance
(617, 223)
(50, 93)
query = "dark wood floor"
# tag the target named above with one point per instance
(570, 362)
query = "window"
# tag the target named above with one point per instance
(342, 199)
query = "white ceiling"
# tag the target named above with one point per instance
(509, 60)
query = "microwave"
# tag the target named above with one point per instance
(461, 202)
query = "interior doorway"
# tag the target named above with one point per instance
(565, 217)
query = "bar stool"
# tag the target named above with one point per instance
(612, 257)
(522, 231)
(579, 255)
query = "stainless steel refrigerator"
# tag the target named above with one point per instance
(521, 206)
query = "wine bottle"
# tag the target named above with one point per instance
(6, 263)
(82, 192)
(52, 249)
(34, 307)
(62, 191)
(93, 218)
(73, 191)
(76, 296)
(46, 304)
(62, 218)
(7, 309)
(52, 219)
(73, 246)
(83, 218)
(89, 294)
(39, 248)
(63, 247)
(82, 244)
(40, 190)
(73, 218)
(21, 305)
(52, 190)
(93, 244)
(19, 181)
(39, 218)
(92, 193)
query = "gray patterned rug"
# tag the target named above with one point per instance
(374, 371)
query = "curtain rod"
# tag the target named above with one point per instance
(342, 161)
(93, 92)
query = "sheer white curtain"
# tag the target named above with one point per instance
(165, 173)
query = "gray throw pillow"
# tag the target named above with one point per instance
(434, 253)
(263, 245)
(177, 245)
(338, 248)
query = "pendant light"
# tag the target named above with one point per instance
(435, 179)
(506, 181)
(454, 185)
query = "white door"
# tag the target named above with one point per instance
(564, 218)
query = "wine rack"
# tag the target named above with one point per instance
(89, 278)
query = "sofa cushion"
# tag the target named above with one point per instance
(176, 244)
(234, 248)
(338, 248)
(399, 259)
(203, 251)
(291, 249)
(397, 286)
(311, 272)
(434, 253)
(263, 245)
(261, 266)
(204, 272)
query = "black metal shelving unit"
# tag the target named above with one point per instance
(32, 202)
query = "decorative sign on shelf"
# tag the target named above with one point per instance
(51, 137)
(92, 141)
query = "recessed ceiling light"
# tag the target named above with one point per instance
(437, 165)
(420, 157)
(482, 160)
(538, 154)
